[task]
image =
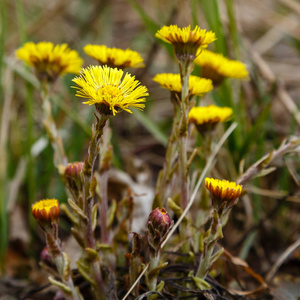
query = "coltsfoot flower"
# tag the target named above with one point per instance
(50, 61)
(114, 57)
(206, 118)
(109, 90)
(223, 191)
(185, 41)
(217, 67)
(172, 82)
(46, 210)
(159, 224)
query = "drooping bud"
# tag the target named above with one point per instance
(223, 193)
(72, 175)
(159, 224)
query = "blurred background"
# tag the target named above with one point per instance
(265, 35)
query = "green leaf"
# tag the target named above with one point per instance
(60, 285)
(111, 213)
(94, 216)
(201, 283)
(154, 272)
(77, 209)
(160, 286)
(216, 256)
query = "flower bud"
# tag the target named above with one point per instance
(46, 211)
(159, 224)
(223, 193)
(72, 175)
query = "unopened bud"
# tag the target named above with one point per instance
(159, 224)
(72, 175)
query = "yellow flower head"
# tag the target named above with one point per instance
(217, 67)
(172, 82)
(114, 57)
(46, 210)
(186, 42)
(207, 117)
(223, 191)
(109, 90)
(50, 61)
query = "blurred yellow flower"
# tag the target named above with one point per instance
(172, 82)
(114, 57)
(209, 114)
(46, 210)
(217, 67)
(206, 118)
(223, 191)
(109, 90)
(185, 41)
(50, 61)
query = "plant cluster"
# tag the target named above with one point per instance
(113, 258)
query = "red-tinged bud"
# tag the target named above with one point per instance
(46, 210)
(72, 175)
(159, 224)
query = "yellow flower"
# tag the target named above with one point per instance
(50, 61)
(185, 41)
(209, 114)
(217, 67)
(223, 191)
(105, 87)
(207, 117)
(46, 210)
(172, 82)
(114, 57)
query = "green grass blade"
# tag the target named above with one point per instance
(151, 127)
(211, 12)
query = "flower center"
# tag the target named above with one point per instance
(110, 94)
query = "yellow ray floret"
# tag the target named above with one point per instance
(223, 190)
(209, 114)
(222, 66)
(114, 57)
(46, 210)
(172, 82)
(174, 35)
(47, 58)
(105, 85)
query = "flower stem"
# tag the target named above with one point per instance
(154, 263)
(185, 70)
(214, 234)
(55, 139)
(89, 187)
(165, 175)
(105, 163)
(61, 262)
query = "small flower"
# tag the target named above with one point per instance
(105, 87)
(223, 191)
(50, 61)
(217, 67)
(72, 175)
(159, 224)
(172, 82)
(207, 117)
(114, 57)
(46, 210)
(185, 42)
